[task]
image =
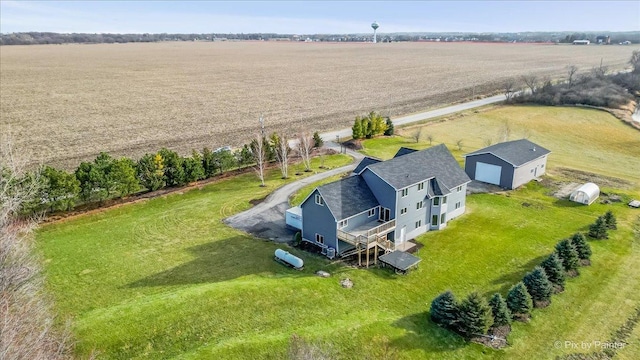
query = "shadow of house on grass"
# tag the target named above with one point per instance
(222, 260)
(508, 280)
(422, 333)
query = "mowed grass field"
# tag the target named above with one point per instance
(66, 103)
(166, 278)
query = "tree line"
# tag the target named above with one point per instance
(475, 317)
(596, 87)
(107, 177)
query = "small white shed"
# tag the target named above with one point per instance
(585, 194)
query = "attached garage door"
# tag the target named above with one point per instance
(488, 173)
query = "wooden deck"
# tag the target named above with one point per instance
(367, 238)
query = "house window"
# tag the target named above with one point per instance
(420, 186)
(443, 217)
(458, 205)
(434, 220)
(319, 239)
(542, 166)
(436, 201)
(372, 212)
(405, 192)
(418, 223)
(459, 188)
(419, 205)
(403, 211)
(343, 223)
(444, 200)
(319, 200)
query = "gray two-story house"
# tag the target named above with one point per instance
(385, 203)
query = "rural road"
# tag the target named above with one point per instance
(266, 220)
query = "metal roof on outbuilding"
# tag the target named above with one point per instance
(516, 152)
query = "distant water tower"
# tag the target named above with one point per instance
(375, 27)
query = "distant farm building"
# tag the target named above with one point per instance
(581, 42)
(509, 164)
(605, 40)
(585, 194)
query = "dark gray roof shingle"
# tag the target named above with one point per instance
(516, 153)
(347, 197)
(435, 162)
(404, 151)
(364, 163)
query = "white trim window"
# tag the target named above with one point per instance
(419, 205)
(434, 220)
(319, 200)
(372, 212)
(444, 200)
(319, 239)
(403, 211)
(418, 223)
(343, 223)
(421, 186)
(405, 192)
(443, 218)
(436, 201)
(458, 205)
(459, 188)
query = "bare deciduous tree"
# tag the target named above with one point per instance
(509, 88)
(305, 145)
(635, 61)
(430, 138)
(415, 135)
(282, 150)
(459, 144)
(488, 141)
(258, 149)
(531, 81)
(27, 328)
(571, 72)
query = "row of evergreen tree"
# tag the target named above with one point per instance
(370, 126)
(475, 316)
(107, 177)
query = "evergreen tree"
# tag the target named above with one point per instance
(317, 140)
(610, 220)
(357, 131)
(209, 163)
(193, 168)
(60, 189)
(582, 246)
(122, 174)
(598, 230)
(552, 266)
(475, 316)
(568, 254)
(518, 300)
(538, 285)
(245, 156)
(500, 311)
(150, 171)
(225, 160)
(390, 128)
(444, 310)
(173, 170)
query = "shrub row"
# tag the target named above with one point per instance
(475, 316)
(371, 126)
(106, 177)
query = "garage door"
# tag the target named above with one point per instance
(488, 173)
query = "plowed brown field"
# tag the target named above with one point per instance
(65, 103)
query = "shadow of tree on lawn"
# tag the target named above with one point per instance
(223, 260)
(422, 333)
(508, 280)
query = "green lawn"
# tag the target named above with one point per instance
(166, 278)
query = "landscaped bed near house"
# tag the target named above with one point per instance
(166, 278)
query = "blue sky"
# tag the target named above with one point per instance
(296, 17)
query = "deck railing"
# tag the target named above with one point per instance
(370, 236)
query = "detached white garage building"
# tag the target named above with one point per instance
(509, 164)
